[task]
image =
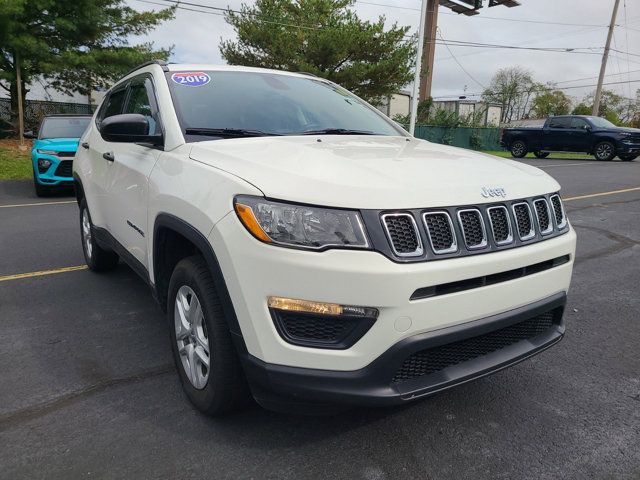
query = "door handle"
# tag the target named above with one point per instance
(108, 156)
(85, 145)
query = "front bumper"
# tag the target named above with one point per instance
(253, 271)
(277, 386)
(53, 175)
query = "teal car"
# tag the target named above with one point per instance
(53, 150)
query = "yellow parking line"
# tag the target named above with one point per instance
(37, 203)
(41, 273)
(601, 194)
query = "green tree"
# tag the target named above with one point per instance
(77, 45)
(325, 38)
(615, 108)
(514, 89)
(551, 102)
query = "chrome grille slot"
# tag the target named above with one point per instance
(524, 222)
(440, 231)
(500, 225)
(402, 232)
(558, 211)
(473, 231)
(543, 216)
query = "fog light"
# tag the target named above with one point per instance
(43, 165)
(320, 324)
(322, 308)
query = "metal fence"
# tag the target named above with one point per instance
(476, 138)
(35, 110)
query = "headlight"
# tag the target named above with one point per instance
(300, 226)
(47, 152)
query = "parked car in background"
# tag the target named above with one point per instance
(53, 150)
(574, 133)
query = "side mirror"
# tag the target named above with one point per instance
(587, 128)
(29, 134)
(128, 128)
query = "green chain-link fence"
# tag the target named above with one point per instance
(481, 138)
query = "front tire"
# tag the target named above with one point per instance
(604, 151)
(203, 349)
(518, 149)
(630, 157)
(41, 190)
(539, 154)
(97, 258)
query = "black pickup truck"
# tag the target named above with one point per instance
(574, 133)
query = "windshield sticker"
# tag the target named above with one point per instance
(191, 79)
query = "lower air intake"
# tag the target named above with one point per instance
(435, 359)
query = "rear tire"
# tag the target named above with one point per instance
(97, 258)
(518, 149)
(539, 154)
(203, 350)
(604, 151)
(628, 157)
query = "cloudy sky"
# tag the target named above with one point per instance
(577, 24)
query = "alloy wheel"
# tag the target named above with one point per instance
(192, 337)
(604, 151)
(86, 233)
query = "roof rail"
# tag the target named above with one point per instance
(162, 63)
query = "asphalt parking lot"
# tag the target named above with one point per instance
(89, 389)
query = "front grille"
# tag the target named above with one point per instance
(64, 169)
(472, 228)
(403, 234)
(500, 225)
(543, 216)
(558, 211)
(66, 154)
(435, 359)
(524, 222)
(440, 232)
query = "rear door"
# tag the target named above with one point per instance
(130, 169)
(558, 134)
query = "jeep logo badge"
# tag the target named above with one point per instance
(488, 192)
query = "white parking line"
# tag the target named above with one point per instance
(37, 203)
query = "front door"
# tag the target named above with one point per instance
(130, 170)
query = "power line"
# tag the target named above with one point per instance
(457, 61)
(490, 92)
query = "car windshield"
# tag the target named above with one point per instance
(235, 104)
(601, 122)
(63, 127)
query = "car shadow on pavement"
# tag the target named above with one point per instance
(22, 191)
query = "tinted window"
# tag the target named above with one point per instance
(561, 122)
(273, 103)
(600, 122)
(579, 123)
(113, 104)
(139, 102)
(64, 127)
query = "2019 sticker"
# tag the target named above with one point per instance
(191, 79)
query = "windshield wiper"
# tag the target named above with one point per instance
(228, 132)
(335, 131)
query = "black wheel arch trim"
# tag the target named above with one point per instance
(171, 222)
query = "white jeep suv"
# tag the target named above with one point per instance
(308, 251)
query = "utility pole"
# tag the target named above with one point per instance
(429, 49)
(605, 58)
(20, 106)
(416, 78)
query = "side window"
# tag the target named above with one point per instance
(560, 122)
(579, 123)
(113, 104)
(139, 102)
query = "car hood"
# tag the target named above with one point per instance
(370, 172)
(57, 144)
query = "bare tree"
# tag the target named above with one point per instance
(514, 89)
